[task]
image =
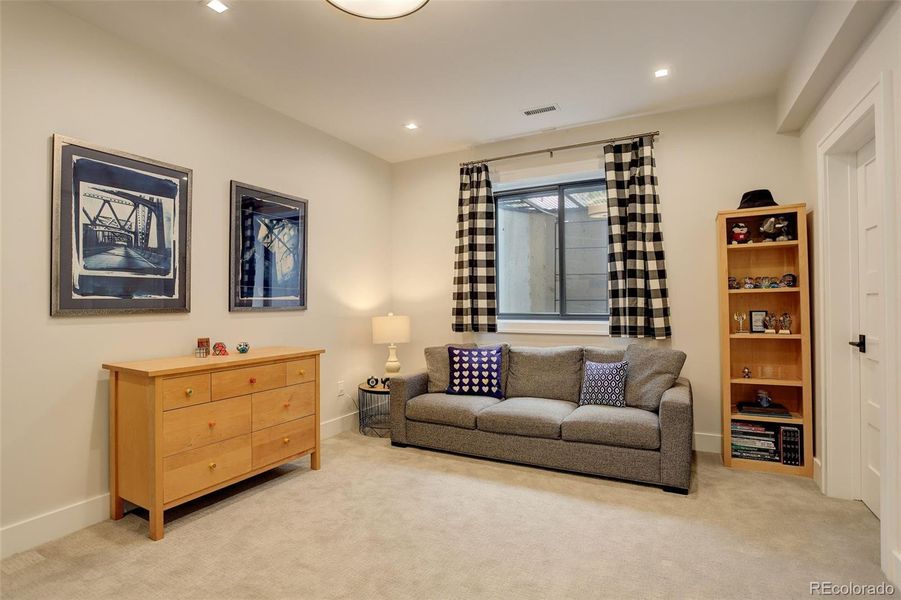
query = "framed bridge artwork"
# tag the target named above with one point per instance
(121, 232)
(268, 250)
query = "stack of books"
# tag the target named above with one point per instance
(754, 441)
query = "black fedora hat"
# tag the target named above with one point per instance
(757, 199)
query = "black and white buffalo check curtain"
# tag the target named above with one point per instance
(475, 283)
(639, 300)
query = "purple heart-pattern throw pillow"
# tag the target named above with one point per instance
(475, 371)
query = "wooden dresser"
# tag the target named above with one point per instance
(183, 427)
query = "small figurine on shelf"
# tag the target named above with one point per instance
(775, 229)
(242, 347)
(762, 282)
(785, 324)
(740, 318)
(202, 350)
(740, 234)
(373, 381)
(788, 280)
(733, 283)
(219, 349)
(763, 398)
(746, 373)
(749, 283)
(769, 322)
(774, 282)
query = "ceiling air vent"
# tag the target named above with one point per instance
(531, 112)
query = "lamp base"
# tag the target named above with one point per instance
(392, 367)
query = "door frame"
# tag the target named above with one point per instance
(837, 464)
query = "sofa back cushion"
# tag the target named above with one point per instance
(597, 354)
(436, 363)
(475, 371)
(651, 372)
(554, 373)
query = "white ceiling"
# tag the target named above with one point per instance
(464, 70)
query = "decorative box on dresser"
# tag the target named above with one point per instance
(182, 427)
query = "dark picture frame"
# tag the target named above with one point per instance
(756, 318)
(121, 232)
(268, 250)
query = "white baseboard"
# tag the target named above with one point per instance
(333, 427)
(34, 531)
(708, 442)
(40, 529)
(818, 473)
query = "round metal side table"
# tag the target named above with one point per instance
(375, 410)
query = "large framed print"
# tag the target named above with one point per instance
(121, 232)
(268, 250)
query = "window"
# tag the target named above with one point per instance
(536, 280)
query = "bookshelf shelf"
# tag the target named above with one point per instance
(764, 336)
(763, 245)
(767, 290)
(794, 418)
(766, 381)
(781, 369)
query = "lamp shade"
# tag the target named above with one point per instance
(393, 329)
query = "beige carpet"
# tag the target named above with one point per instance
(383, 522)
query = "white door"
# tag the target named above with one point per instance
(870, 326)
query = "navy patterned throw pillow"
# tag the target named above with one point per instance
(475, 371)
(604, 383)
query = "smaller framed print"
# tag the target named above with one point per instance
(757, 321)
(268, 251)
(121, 232)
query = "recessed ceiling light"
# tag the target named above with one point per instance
(217, 5)
(379, 9)
(661, 73)
(411, 126)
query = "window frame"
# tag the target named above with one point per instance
(561, 314)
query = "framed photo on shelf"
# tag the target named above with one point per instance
(757, 321)
(121, 232)
(268, 251)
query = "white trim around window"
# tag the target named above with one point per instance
(553, 327)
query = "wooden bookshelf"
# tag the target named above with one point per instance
(779, 363)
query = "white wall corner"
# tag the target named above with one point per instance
(834, 35)
(708, 442)
(818, 474)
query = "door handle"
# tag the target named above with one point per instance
(860, 344)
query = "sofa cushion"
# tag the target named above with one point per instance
(554, 373)
(459, 411)
(603, 355)
(604, 383)
(613, 426)
(475, 371)
(437, 365)
(533, 417)
(652, 371)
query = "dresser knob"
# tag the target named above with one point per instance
(212, 424)
(302, 372)
(253, 380)
(285, 440)
(212, 466)
(189, 392)
(287, 405)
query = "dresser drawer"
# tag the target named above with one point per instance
(283, 404)
(301, 371)
(194, 470)
(186, 391)
(196, 426)
(275, 443)
(239, 382)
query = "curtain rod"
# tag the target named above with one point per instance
(559, 148)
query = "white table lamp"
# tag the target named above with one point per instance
(391, 330)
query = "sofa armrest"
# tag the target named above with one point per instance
(676, 433)
(403, 388)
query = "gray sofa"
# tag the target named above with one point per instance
(539, 421)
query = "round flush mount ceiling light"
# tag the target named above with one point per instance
(379, 9)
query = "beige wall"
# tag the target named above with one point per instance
(880, 55)
(62, 75)
(706, 158)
